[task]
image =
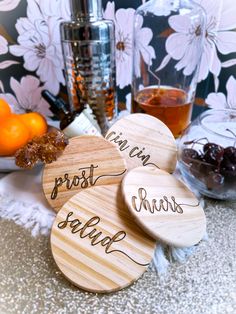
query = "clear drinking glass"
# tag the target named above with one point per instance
(168, 46)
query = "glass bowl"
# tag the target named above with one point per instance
(207, 154)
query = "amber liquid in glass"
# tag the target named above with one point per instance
(167, 104)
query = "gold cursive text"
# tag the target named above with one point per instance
(85, 178)
(134, 152)
(88, 230)
(155, 205)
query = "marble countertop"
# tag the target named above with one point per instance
(31, 283)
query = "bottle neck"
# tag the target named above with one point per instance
(57, 105)
(86, 9)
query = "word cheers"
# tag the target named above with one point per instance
(88, 230)
(139, 203)
(85, 178)
(133, 152)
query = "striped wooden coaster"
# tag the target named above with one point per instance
(96, 244)
(164, 207)
(87, 161)
(144, 140)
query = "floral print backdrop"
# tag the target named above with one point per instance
(31, 57)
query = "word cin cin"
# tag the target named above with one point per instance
(134, 152)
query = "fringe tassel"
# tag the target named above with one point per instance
(164, 255)
(29, 216)
(181, 255)
(160, 261)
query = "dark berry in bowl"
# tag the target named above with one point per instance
(214, 180)
(212, 146)
(230, 154)
(207, 154)
(189, 154)
(213, 153)
(228, 168)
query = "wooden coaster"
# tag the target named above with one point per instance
(144, 141)
(95, 243)
(164, 206)
(87, 161)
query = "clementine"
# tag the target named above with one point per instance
(5, 109)
(35, 122)
(13, 135)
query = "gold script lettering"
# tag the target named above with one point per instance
(135, 152)
(96, 236)
(140, 202)
(84, 179)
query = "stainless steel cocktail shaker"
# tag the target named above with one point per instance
(88, 43)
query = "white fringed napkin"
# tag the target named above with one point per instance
(22, 200)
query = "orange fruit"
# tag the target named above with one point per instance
(35, 122)
(13, 135)
(5, 109)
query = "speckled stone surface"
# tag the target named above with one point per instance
(31, 283)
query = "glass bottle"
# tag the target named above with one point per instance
(88, 43)
(166, 67)
(72, 123)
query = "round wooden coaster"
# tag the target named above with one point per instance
(87, 161)
(144, 141)
(95, 243)
(164, 206)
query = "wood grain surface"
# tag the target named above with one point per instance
(96, 244)
(164, 206)
(144, 141)
(87, 161)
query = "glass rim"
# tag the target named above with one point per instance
(212, 112)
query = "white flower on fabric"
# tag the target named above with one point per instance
(40, 46)
(8, 5)
(27, 96)
(142, 38)
(128, 98)
(158, 8)
(124, 21)
(3, 45)
(220, 101)
(220, 18)
(65, 11)
(183, 45)
(58, 8)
